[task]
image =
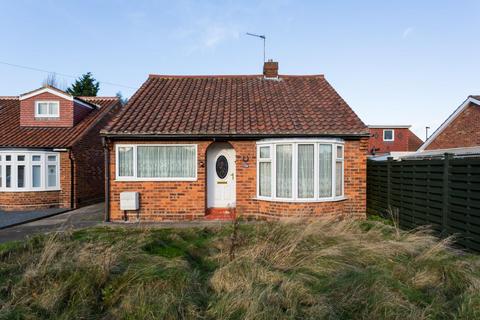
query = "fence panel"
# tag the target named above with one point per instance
(442, 193)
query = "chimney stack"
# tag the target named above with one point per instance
(270, 69)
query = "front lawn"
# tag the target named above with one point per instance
(346, 270)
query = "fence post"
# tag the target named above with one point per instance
(446, 164)
(389, 181)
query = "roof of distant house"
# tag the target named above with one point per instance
(13, 135)
(240, 105)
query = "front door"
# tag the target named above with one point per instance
(221, 176)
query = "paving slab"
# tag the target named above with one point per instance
(13, 218)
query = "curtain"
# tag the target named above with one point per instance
(284, 171)
(338, 178)
(325, 170)
(305, 171)
(265, 179)
(52, 175)
(36, 176)
(166, 161)
(125, 161)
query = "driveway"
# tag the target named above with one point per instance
(80, 218)
(12, 218)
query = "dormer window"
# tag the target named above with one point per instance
(47, 109)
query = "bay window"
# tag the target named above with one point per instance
(158, 162)
(300, 169)
(29, 171)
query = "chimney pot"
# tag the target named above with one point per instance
(270, 69)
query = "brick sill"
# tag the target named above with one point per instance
(336, 199)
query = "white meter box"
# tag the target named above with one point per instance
(129, 201)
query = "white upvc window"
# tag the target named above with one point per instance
(22, 171)
(388, 135)
(300, 170)
(47, 109)
(156, 162)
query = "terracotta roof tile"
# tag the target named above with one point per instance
(12, 135)
(236, 105)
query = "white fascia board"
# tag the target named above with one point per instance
(46, 90)
(83, 104)
(449, 120)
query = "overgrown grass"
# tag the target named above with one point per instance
(321, 270)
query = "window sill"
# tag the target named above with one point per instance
(28, 190)
(334, 199)
(156, 180)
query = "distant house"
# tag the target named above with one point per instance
(51, 153)
(267, 146)
(385, 139)
(460, 130)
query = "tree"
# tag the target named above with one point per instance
(120, 97)
(51, 80)
(86, 85)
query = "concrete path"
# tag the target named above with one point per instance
(12, 218)
(80, 218)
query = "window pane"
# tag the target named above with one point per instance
(1, 176)
(36, 158)
(387, 135)
(339, 152)
(52, 176)
(284, 171)
(8, 158)
(305, 170)
(166, 161)
(42, 108)
(20, 158)
(53, 109)
(36, 176)
(52, 158)
(8, 176)
(264, 152)
(265, 184)
(325, 170)
(339, 178)
(125, 161)
(21, 176)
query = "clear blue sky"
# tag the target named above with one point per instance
(402, 62)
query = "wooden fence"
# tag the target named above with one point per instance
(442, 193)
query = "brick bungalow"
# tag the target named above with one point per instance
(265, 146)
(385, 139)
(51, 153)
(460, 130)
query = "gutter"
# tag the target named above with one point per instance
(106, 152)
(126, 136)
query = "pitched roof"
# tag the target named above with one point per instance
(13, 135)
(470, 99)
(236, 106)
(414, 142)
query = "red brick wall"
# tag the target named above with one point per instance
(187, 200)
(464, 131)
(27, 112)
(402, 141)
(89, 163)
(43, 199)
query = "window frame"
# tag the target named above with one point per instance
(28, 164)
(393, 135)
(135, 173)
(272, 143)
(48, 115)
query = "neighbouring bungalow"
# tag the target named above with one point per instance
(264, 146)
(392, 139)
(51, 153)
(460, 131)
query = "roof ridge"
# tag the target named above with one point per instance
(97, 97)
(9, 97)
(199, 76)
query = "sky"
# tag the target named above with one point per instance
(394, 62)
